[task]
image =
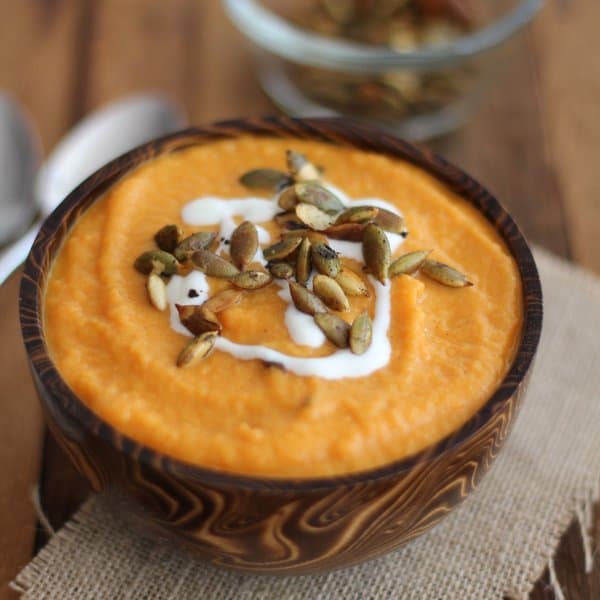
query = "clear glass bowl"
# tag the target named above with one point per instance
(418, 79)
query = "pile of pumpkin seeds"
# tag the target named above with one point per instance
(310, 215)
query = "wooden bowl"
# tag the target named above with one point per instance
(280, 525)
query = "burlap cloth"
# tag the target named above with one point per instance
(499, 542)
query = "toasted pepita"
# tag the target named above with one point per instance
(202, 240)
(358, 214)
(289, 220)
(325, 259)
(303, 262)
(287, 199)
(156, 261)
(214, 265)
(300, 167)
(157, 291)
(168, 237)
(251, 280)
(197, 348)
(223, 300)
(444, 274)
(351, 283)
(314, 217)
(198, 319)
(335, 328)
(270, 179)
(281, 270)
(330, 292)
(389, 221)
(408, 263)
(351, 232)
(313, 236)
(243, 244)
(305, 301)
(282, 248)
(311, 192)
(376, 252)
(361, 333)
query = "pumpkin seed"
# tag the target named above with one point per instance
(197, 241)
(358, 214)
(389, 221)
(156, 261)
(314, 217)
(223, 300)
(408, 263)
(281, 270)
(444, 274)
(300, 167)
(287, 198)
(351, 283)
(198, 348)
(282, 248)
(168, 237)
(361, 333)
(213, 265)
(271, 179)
(303, 262)
(290, 221)
(251, 280)
(330, 292)
(311, 192)
(325, 259)
(335, 328)
(313, 236)
(352, 232)
(244, 244)
(198, 319)
(376, 252)
(157, 291)
(305, 301)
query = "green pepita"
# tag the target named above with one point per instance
(281, 249)
(243, 244)
(198, 348)
(214, 265)
(408, 263)
(202, 240)
(330, 292)
(325, 259)
(305, 301)
(376, 252)
(311, 192)
(361, 333)
(303, 262)
(270, 179)
(335, 328)
(156, 261)
(444, 274)
(251, 280)
(351, 283)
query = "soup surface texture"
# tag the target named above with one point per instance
(449, 347)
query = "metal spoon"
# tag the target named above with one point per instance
(101, 136)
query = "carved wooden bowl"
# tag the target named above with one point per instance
(280, 525)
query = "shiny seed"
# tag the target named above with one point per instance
(361, 333)
(156, 261)
(281, 270)
(303, 262)
(408, 263)
(330, 292)
(306, 301)
(289, 220)
(157, 291)
(300, 167)
(287, 199)
(351, 232)
(198, 348)
(251, 280)
(444, 274)
(270, 179)
(325, 259)
(314, 217)
(335, 328)
(389, 221)
(223, 300)
(376, 252)
(198, 319)
(351, 283)
(213, 265)
(358, 214)
(168, 238)
(311, 192)
(313, 236)
(281, 249)
(243, 244)
(197, 241)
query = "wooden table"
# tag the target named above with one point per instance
(535, 143)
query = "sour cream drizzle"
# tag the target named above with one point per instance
(213, 210)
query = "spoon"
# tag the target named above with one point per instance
(19, 160)
(100, 137)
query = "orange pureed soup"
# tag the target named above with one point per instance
(448, 348)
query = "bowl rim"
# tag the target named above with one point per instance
(276, 35)
(339, 131)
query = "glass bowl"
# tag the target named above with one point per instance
(417, 75)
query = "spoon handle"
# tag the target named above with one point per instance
(16, 253)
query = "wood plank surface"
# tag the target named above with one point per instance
(534, 143)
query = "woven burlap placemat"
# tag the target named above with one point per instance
(498, 543)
